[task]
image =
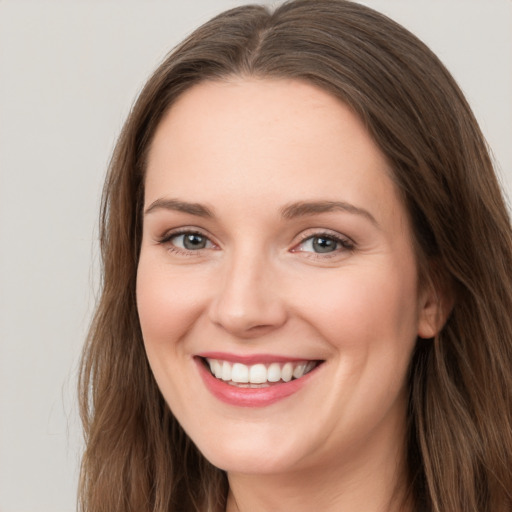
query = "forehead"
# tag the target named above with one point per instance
(266, 142)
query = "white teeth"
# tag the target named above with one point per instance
(216, 367)
(309, 366)
(298, 371)
(239, 373)
(274, 372)
(287, 372)
(226, 371)
(259, 373)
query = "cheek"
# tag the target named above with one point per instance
(168, 302)
(169, 305)
(364, 305)
(369, 318)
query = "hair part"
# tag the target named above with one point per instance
(137, 457)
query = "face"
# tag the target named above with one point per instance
(277, 285)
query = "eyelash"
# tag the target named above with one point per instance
(166, 240)
(345, 243)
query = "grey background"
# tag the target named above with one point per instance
(69, 72)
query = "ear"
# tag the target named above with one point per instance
(436, 304)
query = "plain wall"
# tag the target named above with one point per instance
(69, 72)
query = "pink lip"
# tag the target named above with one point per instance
(250, 397)
(250, 359)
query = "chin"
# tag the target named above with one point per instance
(250, 460)
(254, 449)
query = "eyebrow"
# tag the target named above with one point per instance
(180, 206)
(290, 211)
(304, 208)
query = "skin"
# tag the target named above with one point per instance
(245, 149)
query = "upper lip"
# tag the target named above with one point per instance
(249, 359)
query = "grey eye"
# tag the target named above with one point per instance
(323, 244)
(191, 241)
(319, 244)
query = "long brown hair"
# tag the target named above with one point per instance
(137, 457)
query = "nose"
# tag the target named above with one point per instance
(248, 302)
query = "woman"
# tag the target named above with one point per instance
(306, 287)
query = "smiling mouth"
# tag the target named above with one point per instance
(258, 375)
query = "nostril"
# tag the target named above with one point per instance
(247, 304)
(246, 319)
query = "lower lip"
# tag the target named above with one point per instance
(250, 397)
